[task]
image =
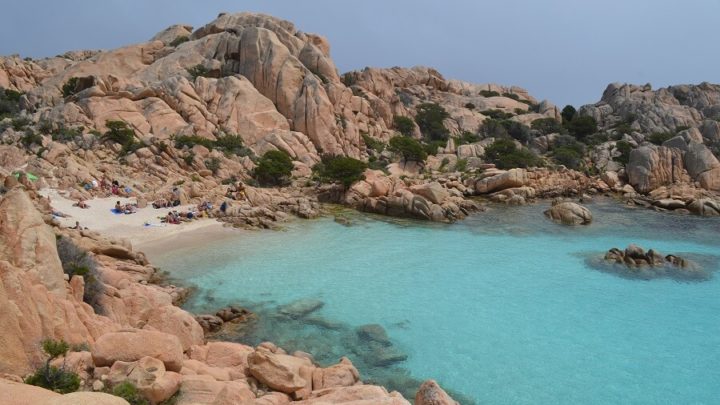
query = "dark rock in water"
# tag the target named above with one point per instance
(383, 356)
(635, 262)
(343, 220)
(234, 314)
(300, 308)
(323, 323)
(373, 333)
(209, 323)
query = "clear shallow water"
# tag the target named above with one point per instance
(501, 308)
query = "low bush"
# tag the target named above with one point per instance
(567, 157)
(53, 378)
(9, 103)
(658, 138)
(467, 137)
(497, 114)
(430, 118)
(228, 143)
(274, 169)
(408, 148)
(119, 132)
(546, 126)
(198, 71)
(470, 106)
(213, 164)
(461, 165)
(179, 40)
(70, 87)
(31, 138)
(372, 143)
(582, 126)
(506, 155)
(624, 148)
(77, 262)
(512, 96)
(568, 114)
(129, 392)
(182, 141)
(517, 130)
(65, 134)
(489, 93)
(340, 169)
(492, 128)
(20, 123)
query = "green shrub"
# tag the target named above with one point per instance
(31, 138)
(568, 157)
(213, 164)
(506, 155)
(461, 165)
(431, 148)
(430, 117)
(119, 132)
(274, 169)
(512, 96)
(546, 126)
(492, 128)
(582, 126)
(189, 158)
(624, 148)
(70, 87)
(489, 93)
(179, 40)
(342, 169)
(659, 137)
(497, 114)
(568, 114)
(198, 71)
(372, 143)
(681, 128)
(182, 141)
(404, 125)
(470, 106)
(408, 148)
(231, 144)
(129, 392)
(9, 103)
(20, 123)
(53, 378)
(65, 134)
(77, 262)
(517, 130)
(466, 138)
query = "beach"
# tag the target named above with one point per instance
(143, 229)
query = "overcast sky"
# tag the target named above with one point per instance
(564, 50)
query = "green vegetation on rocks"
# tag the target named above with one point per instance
(404, 125)
(408, 148)
(274, 169)
(53, 378)
(505, 154)
(430, 117)
(342, 169)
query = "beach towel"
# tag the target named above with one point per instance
(116, 212)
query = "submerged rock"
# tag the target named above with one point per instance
(430, 393)
(300, 308)
(373, 333)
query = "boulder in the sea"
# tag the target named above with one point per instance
(569, 213)
(705, 207)
(430, 393)
(300, 308)
(234, 314)
(209, 323)
(635, 262)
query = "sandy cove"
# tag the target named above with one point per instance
(143, 229)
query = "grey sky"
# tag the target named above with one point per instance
(564, 50)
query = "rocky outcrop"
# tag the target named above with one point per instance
(635, 262)
(653, 166)
(569, 213)
(389, 195)
(133, 345)
(430, 393)
(501, 180)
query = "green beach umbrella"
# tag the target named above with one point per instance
(30, 176)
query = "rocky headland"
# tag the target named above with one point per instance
(248, 113)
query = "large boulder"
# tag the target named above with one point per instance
(132, 345)
(86, 398)
(511, 178)
(650, 167)
(433, 192)
(703, 166)
(343, 374)
(430, 393)
(288, 374)
(27, 242)
(354, 395)
(17, 393)
(148, 375)
(173, 320)
(205, 390)
(569, 213)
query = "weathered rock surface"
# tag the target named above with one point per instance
(133, 345)
(430, 393)
(569, 213)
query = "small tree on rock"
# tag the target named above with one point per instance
(57, 379)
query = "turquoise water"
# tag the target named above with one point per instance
(501, 308)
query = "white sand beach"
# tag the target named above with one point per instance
(143, 228)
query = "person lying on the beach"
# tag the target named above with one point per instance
(60, 214)
(129, 209)
(81, 204)
(161, 203)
